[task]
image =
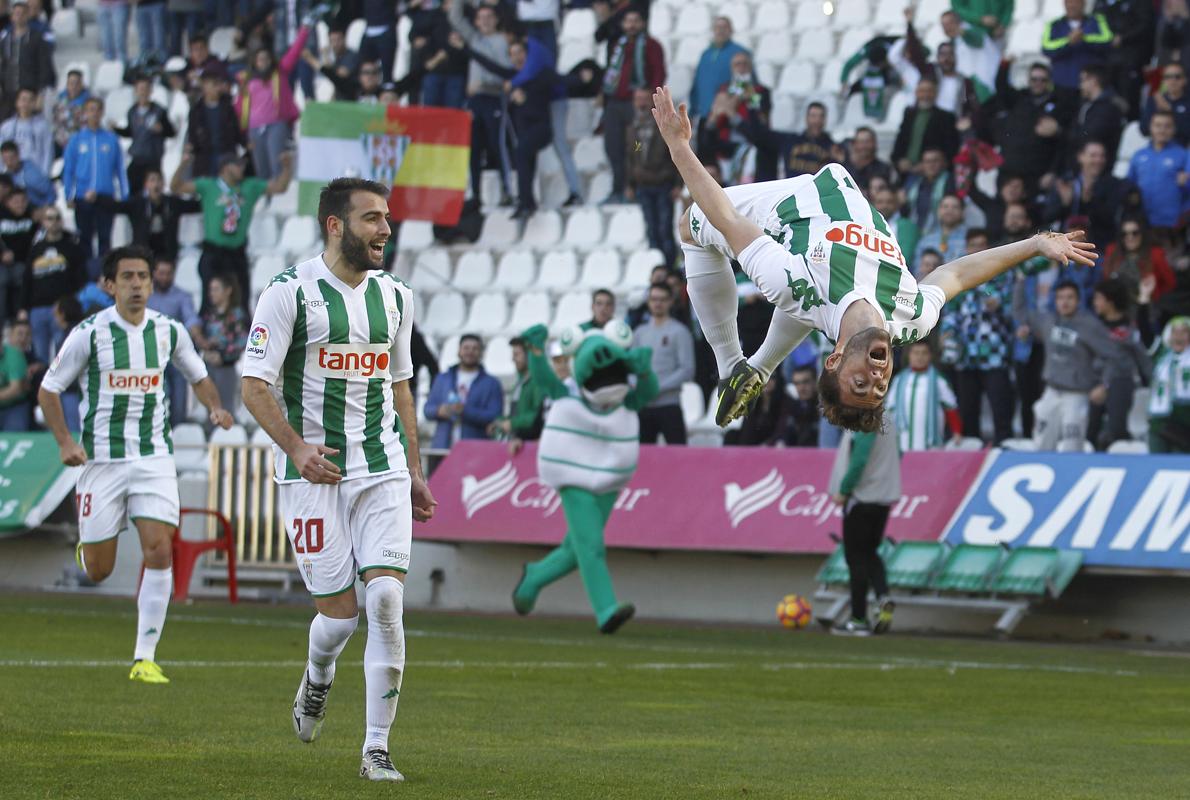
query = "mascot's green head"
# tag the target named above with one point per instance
(601, 362)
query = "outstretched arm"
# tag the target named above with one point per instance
(978, 268)
(738, 230)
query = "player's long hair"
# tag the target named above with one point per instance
(861, 420)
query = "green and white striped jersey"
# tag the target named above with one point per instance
(1171, 382)
(843, 251)
(121, 372)
(919, 401)
(331, 354)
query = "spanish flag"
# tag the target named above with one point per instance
(421, 152)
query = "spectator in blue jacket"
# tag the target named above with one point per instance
(1075, 40)
(464, 399)
(1160, 172)
(94, 167)
(27, 174)
(714, 67)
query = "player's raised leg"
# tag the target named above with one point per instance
(712, 290)
(152, 601)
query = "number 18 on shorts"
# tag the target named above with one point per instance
(339, 531)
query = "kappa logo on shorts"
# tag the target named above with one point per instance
(131, 381)
(855, 235)
(258, 341)
(346, 361)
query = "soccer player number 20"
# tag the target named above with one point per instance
(312, 531)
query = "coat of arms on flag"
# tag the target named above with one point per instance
(385, 152)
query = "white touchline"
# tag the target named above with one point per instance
(678, 666)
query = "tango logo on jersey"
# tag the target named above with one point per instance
(258, 341)
(349, 360)
(741, 502)
(480, 492)
(855, 235)
(132, 381)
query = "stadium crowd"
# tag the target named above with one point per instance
(1045, 352)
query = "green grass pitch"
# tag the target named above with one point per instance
(539, 708)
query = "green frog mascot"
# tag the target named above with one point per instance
(588, 453)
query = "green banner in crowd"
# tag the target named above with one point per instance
(32, 480)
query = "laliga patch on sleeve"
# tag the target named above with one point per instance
(258, 341)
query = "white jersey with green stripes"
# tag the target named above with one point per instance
(919, 401)
(826, 247)
(120, 368)
(1170, 383)
(332, 353)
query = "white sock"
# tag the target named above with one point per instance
(713, 295)
(151, 603)
(785, 333)
(384, 657)
(328, 637)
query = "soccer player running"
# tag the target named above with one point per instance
(825, 257)
(119, 357)
(327, 374)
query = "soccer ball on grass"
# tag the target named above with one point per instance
(794, 611)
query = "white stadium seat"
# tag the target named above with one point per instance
(499, 229)
(853, 15)
(431, 270)
(773, 15)
(1128, 447)
(448, 352)
(559, 271)
(516, 271)
(693, 20)
(108, 76)
(299, 236)
(681, 78)
(117, 103)
(1025, 38)
(775, 47)
(661, 22)
(264, 268)
(497, 357)
(262, 233)
(601, 269)
(817, 46)
(1131, 141)
(581, 117)
(966, 443)
(798, 77)
(740, 16)
(693, 408)
(444, 315)
(1024, 10)
(542, 230)
(600, 185)
(689, 50)
(488, 313)
(1069, 446)
(626, 229)
(578, 25)
(786, 108)
(584, 229)
(474, 271)
(260, 437)
(809, 16)
(235, 435)
(67, 24)
(572, 309)
(1052, 9)
(530, 309)
(850, 43)
(1023, 445)
(890, 18)
(828, 78)
(640, 268)
(187, 275)
(929, 12)
(222, 41)
(589, 155)
(572, 51)
(190, 448)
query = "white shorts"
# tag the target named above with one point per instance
(756, 201)
(339, 531)
(108, 492)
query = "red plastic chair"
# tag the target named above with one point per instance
(186, 553)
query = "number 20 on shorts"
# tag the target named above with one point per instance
(307, 535)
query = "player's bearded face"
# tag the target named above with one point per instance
(865, 368)
(363, 252)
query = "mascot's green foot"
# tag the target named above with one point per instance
(520, 601)
(622, 613)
